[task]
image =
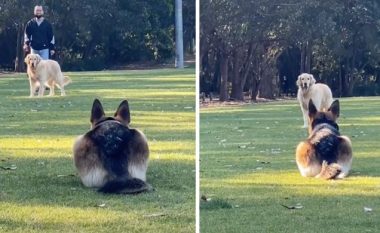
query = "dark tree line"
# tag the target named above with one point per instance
(260, 47)
(96, 34)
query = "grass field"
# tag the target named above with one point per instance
(39, 188)
(248, 171)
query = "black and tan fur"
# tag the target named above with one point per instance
(325, 153)
(112, 156)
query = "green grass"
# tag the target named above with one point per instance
(44, 193)
(248, 171)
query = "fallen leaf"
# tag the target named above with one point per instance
(154, 215)
(11, 167)
(205, 198)
(298, 206)
(65, 175)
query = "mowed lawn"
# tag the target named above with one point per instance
(248, 171)
(39, 188)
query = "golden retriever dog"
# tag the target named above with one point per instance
(43, 73)
(325, 154)
(309, 90)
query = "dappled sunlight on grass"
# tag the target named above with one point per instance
(247, 163)
(43, 193)
(43, 214)
(299, 185)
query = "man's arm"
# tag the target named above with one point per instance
(51, 39)
(27, 37)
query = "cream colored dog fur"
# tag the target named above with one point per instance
(43, 73)
(318, 92)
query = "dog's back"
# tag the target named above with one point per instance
(321, 95)
(325, 154)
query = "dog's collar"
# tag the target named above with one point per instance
(107, 119)
(333, 126)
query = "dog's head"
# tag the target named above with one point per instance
(305, 81)
(323, 117)
(121, 115)
(32, 60)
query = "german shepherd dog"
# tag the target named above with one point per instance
(112, 156)
(325, 153)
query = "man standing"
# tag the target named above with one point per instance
(39, 35)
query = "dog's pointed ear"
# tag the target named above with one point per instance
(312, 109)
(97, 112)
(122, 113)
(312, 79)
(334, 108)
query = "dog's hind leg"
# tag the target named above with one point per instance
(62, 87)
(329, 171)
(63, 93)
(344, 158)
(41, 90)
(307, 161)
(52, 87)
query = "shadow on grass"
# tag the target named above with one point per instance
(53, 182)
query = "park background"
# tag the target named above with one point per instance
(258, 48)
(96, 35)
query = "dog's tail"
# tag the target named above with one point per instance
(66, 80)
(126, 185)
(329, 171)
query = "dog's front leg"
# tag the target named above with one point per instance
(305, 114)
(33, 86)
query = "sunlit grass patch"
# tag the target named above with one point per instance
(39, 190)
(248, 161)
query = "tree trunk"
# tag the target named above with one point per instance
(237, 87)
(340, 79)
(308, 57)
(302, 66)
(223, 91)
(254, 88)
(306, 53)
(19, 61)
(216, 77)
(267, 85)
